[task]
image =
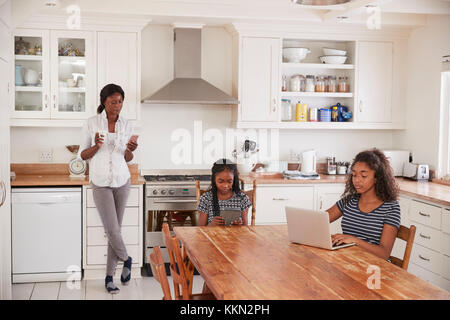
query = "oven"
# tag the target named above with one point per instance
(170, 197)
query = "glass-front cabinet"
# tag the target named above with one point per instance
(53, 74)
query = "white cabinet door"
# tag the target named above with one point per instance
(32, 96)
(117, 63)
(5, 208)
(72, 74)
(327, 196)
(259, 89)
(271, 202)
(374, 99)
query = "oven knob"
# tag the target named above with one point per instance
(171, 192)
(163, 191)
(155, 192)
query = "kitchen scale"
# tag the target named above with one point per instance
(77, 166)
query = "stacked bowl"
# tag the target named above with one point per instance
(333, 56)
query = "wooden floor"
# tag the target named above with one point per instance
(145, 288)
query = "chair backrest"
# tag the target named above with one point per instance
(250, 193)
(177, 270)
(406, 234)
(159, 272)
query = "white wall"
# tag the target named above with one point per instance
(159, 122)
(426, 47)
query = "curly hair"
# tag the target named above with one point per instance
(386, 188)
(219, 166)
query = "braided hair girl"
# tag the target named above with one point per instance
(224, 194)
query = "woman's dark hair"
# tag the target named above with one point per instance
(386, 187)
(107, 91)
(220, 166)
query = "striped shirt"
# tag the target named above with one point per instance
(368, 226)
(239, 202)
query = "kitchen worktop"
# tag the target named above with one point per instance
(37, 175)
(425, 190)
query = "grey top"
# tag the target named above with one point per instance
(236, 202)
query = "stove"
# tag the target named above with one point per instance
(170, 197)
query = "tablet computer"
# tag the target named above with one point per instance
(230, 216)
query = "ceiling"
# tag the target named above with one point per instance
(220, 12)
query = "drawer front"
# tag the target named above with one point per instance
(97, 255)
(423, 273)
(133, 198)
(446, 267)
(426, 258)
(96, 236)
(273, 200)
(130, 217)
(446, 220)
(425, 214)
(445, 243)
(428, 237)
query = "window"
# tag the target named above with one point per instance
(444, 136)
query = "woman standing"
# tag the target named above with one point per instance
(371, 213)
(108, 144)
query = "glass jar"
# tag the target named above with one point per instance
(331, 85)
(309, 85)
(343, 85)
(334, 114)
(284, 83)
(320, 84)
(286, 110)
(295, 83)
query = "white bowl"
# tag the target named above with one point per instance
(295, 54)
(333, 59)
(333, 52)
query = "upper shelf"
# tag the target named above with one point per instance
(317, 94)
(24, 57)
(318, 66)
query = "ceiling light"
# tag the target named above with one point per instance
(320, 2)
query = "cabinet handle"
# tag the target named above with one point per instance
(425, 237)
(3, 192)
(280, 199)
(54, 101)
(426, 259)
(424, 214)
(46, 101)
(360, 106)
(320, 205)
(274, 104)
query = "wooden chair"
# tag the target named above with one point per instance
(406, 234)
(159, 272)
(180, 270)
(250, 193)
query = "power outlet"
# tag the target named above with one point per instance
(46, 155)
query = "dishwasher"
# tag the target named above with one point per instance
(46, 234)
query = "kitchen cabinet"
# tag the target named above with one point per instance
(374, 97)
(54, 74)
(259, 79)
(272, 200)
(5, 203)
(375, 70)
(95, 242)
(430, 257)
(117, 63)
(327, 196)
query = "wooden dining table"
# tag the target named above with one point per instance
(259, 262)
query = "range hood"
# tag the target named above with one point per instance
(188, 87)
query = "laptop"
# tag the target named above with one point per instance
(311, 228)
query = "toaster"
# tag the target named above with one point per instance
(416, 171)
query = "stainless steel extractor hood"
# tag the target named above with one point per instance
(188, 87)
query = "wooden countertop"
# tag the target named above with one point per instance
(37, 174)
(429, 191)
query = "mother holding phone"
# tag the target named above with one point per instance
(108, 144)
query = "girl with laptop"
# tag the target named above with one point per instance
(224, 194)
(369, 208)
